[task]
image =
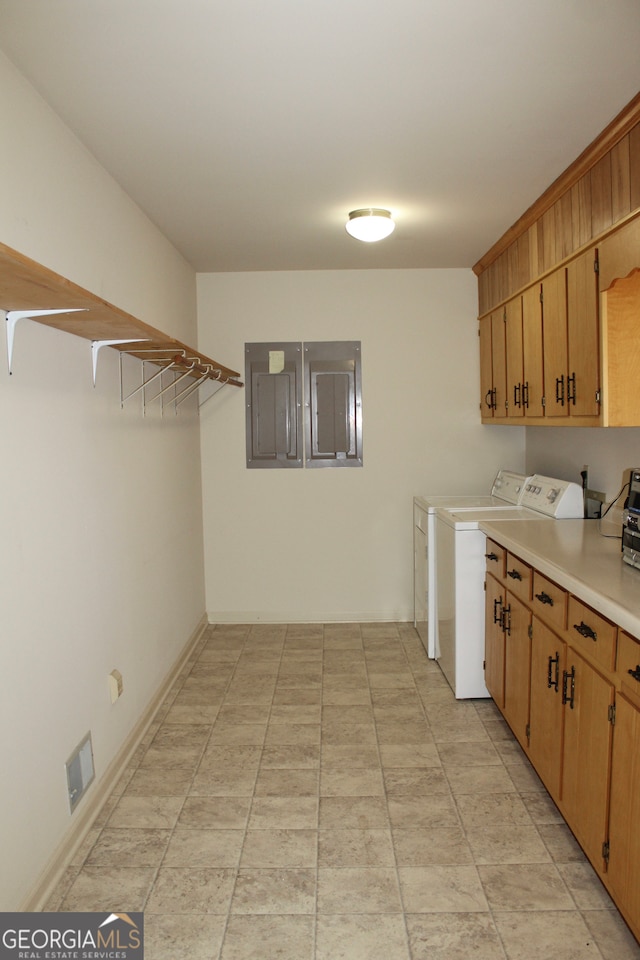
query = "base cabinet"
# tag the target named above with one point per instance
(548, 657)
(624, 822)
(494, 639)
(567, 681)
(517, 667)
(584, 800)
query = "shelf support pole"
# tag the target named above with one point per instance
(12, 318)
(221, 384)
(192, 388)
(146, 383)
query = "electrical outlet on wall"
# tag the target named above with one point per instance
(594, 502)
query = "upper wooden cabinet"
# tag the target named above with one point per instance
(566, 351)
(551, 350)
(571, 340)
(533, 358)
(589, 216)
(493, 367)
(514, 357)
(583, 337)
(556, 357)
(620, 281)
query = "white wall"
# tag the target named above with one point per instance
(101, 564)
(563, 451)
(336, 544)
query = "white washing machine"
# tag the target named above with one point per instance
(460, 573)
(506, 491)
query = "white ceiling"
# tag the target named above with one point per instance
(248, 129)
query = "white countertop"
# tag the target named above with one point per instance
(577, 557)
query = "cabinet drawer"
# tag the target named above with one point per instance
(628, 664)
(495, 557)
(590, 632)
(549, 601)
(518, 577)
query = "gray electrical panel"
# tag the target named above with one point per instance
(329, 380)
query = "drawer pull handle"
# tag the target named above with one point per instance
(544, 598)
(514, 574)
(568, 675)
(491, 556)
(585, 631)
(550, 682)
(635, 673)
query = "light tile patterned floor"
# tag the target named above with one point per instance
(313, 792)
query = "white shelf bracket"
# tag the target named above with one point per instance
(97, 345)
(13, 316)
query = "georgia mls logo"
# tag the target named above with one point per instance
(71, 936)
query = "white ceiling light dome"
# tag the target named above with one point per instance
(370, 224)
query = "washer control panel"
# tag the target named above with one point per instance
(561, 499)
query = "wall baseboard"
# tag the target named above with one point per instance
(269, 616)
(101, 789)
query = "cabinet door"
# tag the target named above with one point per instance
(554, 326)
(533, 373)
(494, 640)
(583, 336)
(546, 710)
(586, 761)
(514, 357)
(624, 820)
(499, 363)
(486, 368)
(517, 666)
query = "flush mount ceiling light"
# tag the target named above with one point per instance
(370, 224)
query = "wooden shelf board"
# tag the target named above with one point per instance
(26, 285)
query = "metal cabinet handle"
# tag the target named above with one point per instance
(491, 556)
(525, 394)
(497, 617)
(585, 630)
(506, 620)
(554, 683)
(635, 673)
(571, 394)
(544, 598)
(517, 394)
(568, 677)
(514, 574)
(560, 390)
